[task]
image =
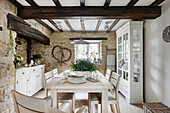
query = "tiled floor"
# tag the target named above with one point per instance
(124, 106)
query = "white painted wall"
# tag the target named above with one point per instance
(157, 58)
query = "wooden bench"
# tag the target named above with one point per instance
(156, 107)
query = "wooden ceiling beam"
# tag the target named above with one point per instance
(24, 30)
(82, 25)
(140, 12)
(156, 3)
(32, 3)
(55, 25)
(68, 24)
(98, 25)
(44, 24)
(132, 3)
(57, 3)
(89, 38)
(113, 25)
(82, 3)
(16, 3)
(107, 3)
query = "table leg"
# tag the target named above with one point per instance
(54, 98)
(104, 101)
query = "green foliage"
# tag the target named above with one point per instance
(18, 59)
(37, 56)
(83, 65)
(11, 42)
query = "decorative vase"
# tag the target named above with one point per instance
(17, 65)
(37, 61)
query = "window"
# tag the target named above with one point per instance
(88, 51)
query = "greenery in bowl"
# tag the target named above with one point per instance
(37, 56)
(83, 65)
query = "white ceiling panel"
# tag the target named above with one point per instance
(63, 24)
(103, 24)
(119, 24)
(165, 2)
(45, 2)
(23, 2)
(94, 2)
(90, 25)
(144, 2)
(49, 24)
(75, 23)
(119, 2)
(70, 2)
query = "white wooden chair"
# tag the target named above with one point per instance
(26, 104)
(113, 96)
(108, 74)
(62, 97)
(55, 72)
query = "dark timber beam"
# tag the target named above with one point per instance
(32, 3)
(82, 25)
(89, 38)
(24, 30)
(68, 24)
(98, 25)
(107, 3)
(57, 3)
(156, 3)
(140, 12)
(16, 3)
(82, 3)
(132, 3)
(55, 25)
(113, 25)
(45, 25)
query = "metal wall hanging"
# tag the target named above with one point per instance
(61, 54)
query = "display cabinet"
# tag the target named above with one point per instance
(130, 60)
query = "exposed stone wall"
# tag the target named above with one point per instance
(21, 49)
(7, 70)
(62, 39)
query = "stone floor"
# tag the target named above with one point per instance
(124, 106)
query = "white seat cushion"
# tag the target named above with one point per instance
(97, 96)
(62, 96)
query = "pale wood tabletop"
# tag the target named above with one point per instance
(98, 87)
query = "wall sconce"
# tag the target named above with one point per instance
(0, 28)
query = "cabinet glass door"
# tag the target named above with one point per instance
(120, 54)
(136, 56)
(125, 56)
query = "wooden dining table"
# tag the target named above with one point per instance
(88, 87)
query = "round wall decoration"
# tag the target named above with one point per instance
(166, 34)
(61, 54)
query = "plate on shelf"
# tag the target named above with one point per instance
(76, 81)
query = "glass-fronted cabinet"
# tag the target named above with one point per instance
(130, 60)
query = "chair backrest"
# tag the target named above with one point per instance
(47, 77)
(55, 72)
(108, 74)
(26, 104)
(114, 80)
